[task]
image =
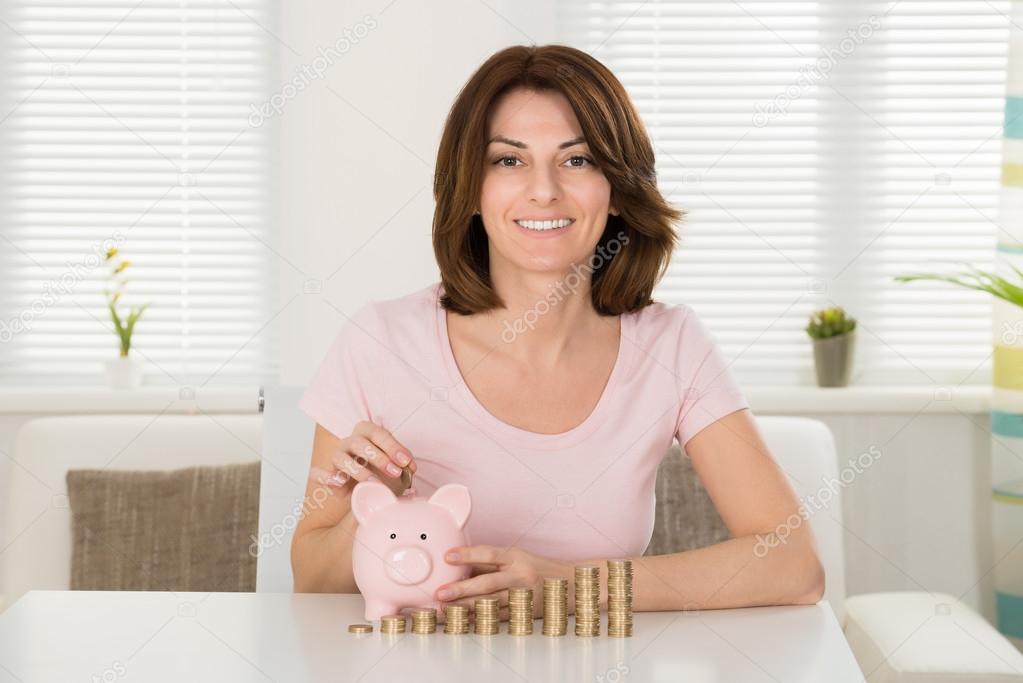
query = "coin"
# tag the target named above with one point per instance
(360, 628)
(392, 623)
(424, 620)
(487, 616)
(406, 477)
(555, 606)
(619, 598)
(456, 619)
(520, 611)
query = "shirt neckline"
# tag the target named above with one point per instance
(522, 436)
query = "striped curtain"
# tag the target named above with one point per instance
(1007, 392)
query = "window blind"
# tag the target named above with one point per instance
(820, 149)
(127, 124)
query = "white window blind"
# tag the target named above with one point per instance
(127, 123)
(815, 165)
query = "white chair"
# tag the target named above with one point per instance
(897, 637)
(36, 531)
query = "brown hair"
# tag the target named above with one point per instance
(620, 146)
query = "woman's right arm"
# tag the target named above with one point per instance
(321, 550)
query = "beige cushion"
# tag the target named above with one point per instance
(181, 530)
(685, 516)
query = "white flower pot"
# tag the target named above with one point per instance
(124, 372)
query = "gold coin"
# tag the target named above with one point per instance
(406, 477)
(360, 628)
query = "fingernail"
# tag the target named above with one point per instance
(402, 458)
(393, 469)
(452, 557)
(445, 594)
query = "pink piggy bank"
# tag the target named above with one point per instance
(398, 555)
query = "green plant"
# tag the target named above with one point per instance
(830, 322)
(125, 327)
(975, 278)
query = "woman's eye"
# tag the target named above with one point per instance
(499, 162)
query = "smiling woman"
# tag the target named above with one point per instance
(540, 374)
(604, 149)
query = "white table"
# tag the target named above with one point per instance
(150, 636)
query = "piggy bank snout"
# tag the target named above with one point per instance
(409, 565)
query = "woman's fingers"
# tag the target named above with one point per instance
(395, 451)
(354, 467)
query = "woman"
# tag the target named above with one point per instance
(539, 372)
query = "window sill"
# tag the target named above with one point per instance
(762, 398)
(951, 399)
(150, 400)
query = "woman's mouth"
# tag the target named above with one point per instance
(545, 228)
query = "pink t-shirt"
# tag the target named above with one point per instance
(582, 494)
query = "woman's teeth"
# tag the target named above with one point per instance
(546, 225)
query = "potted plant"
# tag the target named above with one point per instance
(975, 278)
(123, 372)
(834, 336)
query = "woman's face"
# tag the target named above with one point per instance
(538, 167)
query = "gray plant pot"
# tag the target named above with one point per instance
(833, 358)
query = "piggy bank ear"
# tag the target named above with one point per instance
(368, 497)
(455, 499)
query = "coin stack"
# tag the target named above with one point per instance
(619, 598)
(587, 600)
(392, 623)
(520, 611)
(555, 606)
(456, 619)
(424, 620)
(360, 628)
(488, 616)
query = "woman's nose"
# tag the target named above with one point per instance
(544, 185)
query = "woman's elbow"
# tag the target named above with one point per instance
(811, 586)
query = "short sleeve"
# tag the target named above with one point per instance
(707, 388)
(337, 395)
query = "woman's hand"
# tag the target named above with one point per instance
(369, 452)
(496, 569)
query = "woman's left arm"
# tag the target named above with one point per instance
(771, 559)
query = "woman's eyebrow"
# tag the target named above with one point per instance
(522, 145)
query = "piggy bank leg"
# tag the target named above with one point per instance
(378, 608)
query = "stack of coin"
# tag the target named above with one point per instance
(619, 598)
(555, 606)
(520, 611)
(392, 623)
(587, 600)
(360, 628)
(456, 619)
(424, 620)
(488, 616)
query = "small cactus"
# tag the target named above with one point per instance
(830, 322)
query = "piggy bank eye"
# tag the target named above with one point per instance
(394, 535)
(422, 536)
